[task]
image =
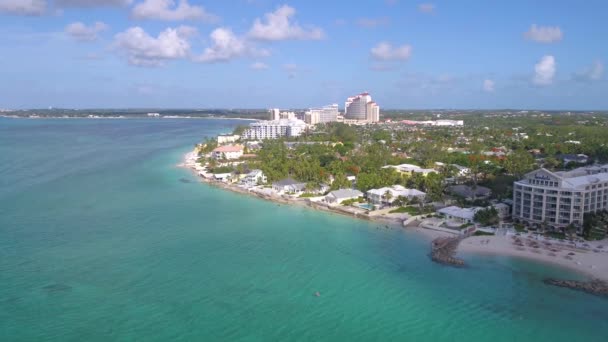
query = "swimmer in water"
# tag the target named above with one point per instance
(317, 294)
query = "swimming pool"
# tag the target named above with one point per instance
(366, 206)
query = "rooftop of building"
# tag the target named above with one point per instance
(464, 213)
(229, 148)
(574, 179)
(345, 193)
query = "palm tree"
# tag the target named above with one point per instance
(387, 197)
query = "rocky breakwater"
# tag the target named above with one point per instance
(443, 250)
(595, 286)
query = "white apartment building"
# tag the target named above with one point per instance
(361, 108)
(560, 198)
(274, 113)
(274, 129)
(227, 138)
(321, 115)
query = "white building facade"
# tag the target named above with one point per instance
(361, 108)
(274, 129)
(557, 199)
(274, 113)
(321, 115)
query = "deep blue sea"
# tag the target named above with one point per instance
(103, 238)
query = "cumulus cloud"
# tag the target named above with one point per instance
(544, 34)
(386, 51)
(84, 33)
(169, 10)
(92, 3)
(226, 46)
(278, 25)
(544, 71)
(373, 22)
(488, 86)
(23, 7)
(259, 66)
(141, 49)
(426, 8)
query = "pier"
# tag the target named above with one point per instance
(443, 250)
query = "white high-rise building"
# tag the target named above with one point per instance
(274, 113)
(557, 199)
(274, 129)
(287, 115)
(321, 115)
(361, 108)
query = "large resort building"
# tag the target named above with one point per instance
(321, 115)
(361, 108)
(558, 199)
(274, 129)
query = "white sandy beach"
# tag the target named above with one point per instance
(587, 261)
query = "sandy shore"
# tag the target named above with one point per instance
(587, 261)
(394, 220)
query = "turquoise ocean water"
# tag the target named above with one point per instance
(102, 238)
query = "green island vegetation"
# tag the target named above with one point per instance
(487, 217)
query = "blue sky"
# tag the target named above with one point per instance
(288, 54)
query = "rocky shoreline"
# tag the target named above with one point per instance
(596, 286)
(443, 250)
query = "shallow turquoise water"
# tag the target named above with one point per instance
(102, 238)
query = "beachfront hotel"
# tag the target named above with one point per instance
(557, 199)
(361, 108)
(321, 115)
(274, 129)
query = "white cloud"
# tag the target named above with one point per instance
(544, 34)
(144, 50)
(226, 46)
(23, 7)
(169, 10)
(596, 71)
(92, 3)
(259, 66)
(278, 26)
(373, 22)
(386, 51)
(488, 86)
(426, 8)
(592, 73)
(84, 33)
(544, 71)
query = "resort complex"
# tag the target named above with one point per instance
(561, 198)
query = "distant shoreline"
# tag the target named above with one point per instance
(123, 117)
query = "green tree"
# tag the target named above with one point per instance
(519, 163)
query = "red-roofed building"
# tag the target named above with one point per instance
(228, 152)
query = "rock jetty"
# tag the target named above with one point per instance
(443, 250)
(596, 286)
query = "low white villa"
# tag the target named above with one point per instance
(378, 196)
(254, 177)
(337, 196)
(223, 177)
(289, 186)
(410, 169)
(228, 152)
(458, 214)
